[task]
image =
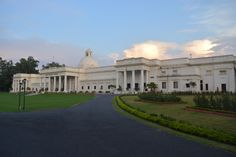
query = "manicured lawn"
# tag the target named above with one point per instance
(226, 124)
(9, 102)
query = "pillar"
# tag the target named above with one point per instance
(125, 80)
(76, 83)
(54, 84)
(142, 82)
(49, 84)
(65, 83)
(117, 79)
(133, 81)
(59, 88)
(44, 84)
(40, 82)
(147, 77)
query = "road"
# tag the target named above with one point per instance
(93, 129)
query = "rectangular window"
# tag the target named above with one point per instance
(187, 85)
(223, 87)
(223, 72)
(88, 87)
(201, 85)
(175, 72)
(163, 72)
(163, 85)
(94, 87)
(175, 84)
(82, 87)
(101, 87)
(206, 85)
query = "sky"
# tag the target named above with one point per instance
(61, 30)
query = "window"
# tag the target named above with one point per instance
(187, 85)
(223, 72)
(101, 87)
(174, 72)
(94, 87)
(128, 85)
(206, 85)
(163, 85)
(88, 87)
(163, 72)
(201, 85)
(175, 84)
(82, 87)
(223, 87)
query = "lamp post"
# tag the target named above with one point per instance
(22, 106)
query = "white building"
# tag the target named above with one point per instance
(181, 74)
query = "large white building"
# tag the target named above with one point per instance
(129, 75)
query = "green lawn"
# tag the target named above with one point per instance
(9, 102)
(177, 111)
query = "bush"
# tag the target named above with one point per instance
(225, 101)
(159, 97)
(178, 124)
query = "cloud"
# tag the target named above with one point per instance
(114, 56)
(150, 50)
(200, 48)
(43, 50)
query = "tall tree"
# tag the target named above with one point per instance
(152, 86)
(7, 70)
(28, 66)
(52, 64)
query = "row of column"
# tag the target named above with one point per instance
(132, 79)
(16, 85)
(60, 85)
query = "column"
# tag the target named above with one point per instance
(49, 84)
(147, 77)
(133, 81)
(13, 85)
(117, 79)
(65, 83)
(54, 83)
(125, 80)
(59, 88)
(44, 84)
(40, 82)
(76, 83)
(141, 84)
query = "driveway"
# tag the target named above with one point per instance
(91, 129)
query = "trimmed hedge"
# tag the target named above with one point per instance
(160, 97)
(178, 125)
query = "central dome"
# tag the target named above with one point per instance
(88, 61)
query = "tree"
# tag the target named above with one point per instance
(28, 66)
(7, 70)
(53, 64)
(152, 86)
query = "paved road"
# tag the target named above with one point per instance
(91, 129)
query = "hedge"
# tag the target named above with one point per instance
(178, 124)
(160, 97)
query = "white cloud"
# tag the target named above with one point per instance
(114, 56)
(150, 50)
(200, 48)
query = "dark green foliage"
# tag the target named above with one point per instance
(7, 70)
(159, 97)
(52, 64)
(179, 125)
(27, 66)
(223, 101)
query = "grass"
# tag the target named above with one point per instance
(225, 124)
(200, 140)
(9, 102)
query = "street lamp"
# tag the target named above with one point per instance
(22, 106)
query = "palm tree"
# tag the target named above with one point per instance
(152, 86)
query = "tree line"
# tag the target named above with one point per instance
(24, 65)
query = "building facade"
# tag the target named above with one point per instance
(132, 75)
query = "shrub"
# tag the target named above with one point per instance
(225, 101)
(159, 97)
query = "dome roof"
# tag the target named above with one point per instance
(88, 61)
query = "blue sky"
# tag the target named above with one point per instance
(61, 30)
